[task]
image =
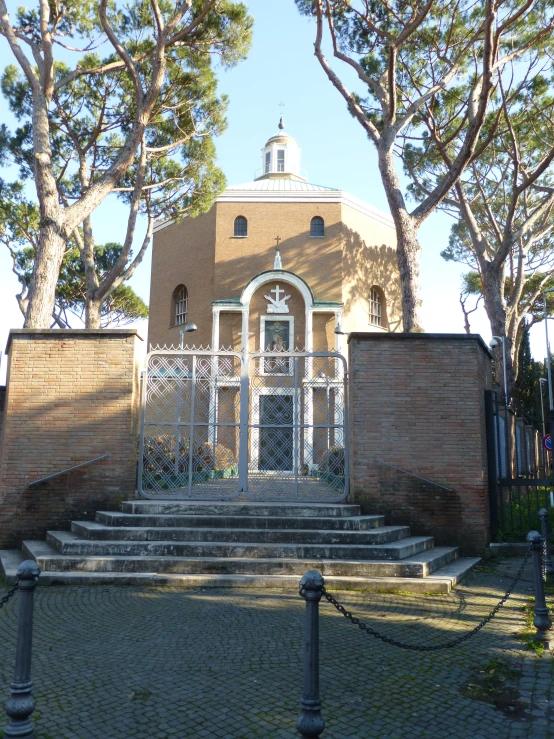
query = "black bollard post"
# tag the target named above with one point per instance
(20, 705)
(542, 621)
(311, 723)
(545, 529)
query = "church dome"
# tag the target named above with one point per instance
(281, 157)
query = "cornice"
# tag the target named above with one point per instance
(298, 196)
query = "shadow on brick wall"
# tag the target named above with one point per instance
(428, 509)
(49, 438)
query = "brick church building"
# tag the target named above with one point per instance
(277, 262)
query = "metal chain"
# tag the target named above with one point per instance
(435, 648)
(11, 591)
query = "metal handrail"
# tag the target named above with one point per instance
(69, 469)
(412, 474)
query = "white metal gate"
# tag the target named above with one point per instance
(269, 425)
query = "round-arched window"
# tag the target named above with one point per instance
(317, 227)
(179, 304)
(241, 226)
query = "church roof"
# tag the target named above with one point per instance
(280, 185)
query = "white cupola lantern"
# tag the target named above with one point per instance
(281, 157)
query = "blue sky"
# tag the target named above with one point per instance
(282, 68)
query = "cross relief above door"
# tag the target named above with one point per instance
(277, 304)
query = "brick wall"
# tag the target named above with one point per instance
(2, 403)
(71, 395)
(417, 402)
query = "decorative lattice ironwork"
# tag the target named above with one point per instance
(216, 425)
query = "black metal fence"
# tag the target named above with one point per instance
(520, 479)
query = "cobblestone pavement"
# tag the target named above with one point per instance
(126, 662)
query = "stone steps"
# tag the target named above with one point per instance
(223, 520)
(241, 544)
(441, 580)
(418, 565)
(68, 543)
(240, 508)
(99, 532)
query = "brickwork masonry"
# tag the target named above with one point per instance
(2, 404)
(417, 402)
(71, 395)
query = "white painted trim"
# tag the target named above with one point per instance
(338, 337)
(215, 328)
(300, 196)
(276, 317)
(296, 196)
(325, 308)
(309, 339)
(366, 209)
(160, 225)
(228, 307)
(277, 276)
(245, 337)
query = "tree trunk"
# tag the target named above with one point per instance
(52, 238)
(93, 305)
(492, 279)
(93, 310)
(42, 289)
(408, 248)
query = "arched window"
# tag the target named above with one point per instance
(241, 226)
(179, 306)
(375, 307)
(317, 227)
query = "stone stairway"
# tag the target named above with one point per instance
(241, 544)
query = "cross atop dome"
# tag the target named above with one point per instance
(281, 157)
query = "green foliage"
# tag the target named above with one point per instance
(122, 306)
(527, 388)
(19, 218)
(98, 104)
(366, 31)
(425, 74)
(471, 283)
(529, 630)
(518, 512)
(503, 203)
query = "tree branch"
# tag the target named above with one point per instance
(353, 106)
(8, 32)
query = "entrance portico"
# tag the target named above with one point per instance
(275, 296)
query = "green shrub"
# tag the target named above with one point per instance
(159, 455)
(334, 461)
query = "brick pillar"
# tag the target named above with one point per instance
(417, 402)
(72, 395)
